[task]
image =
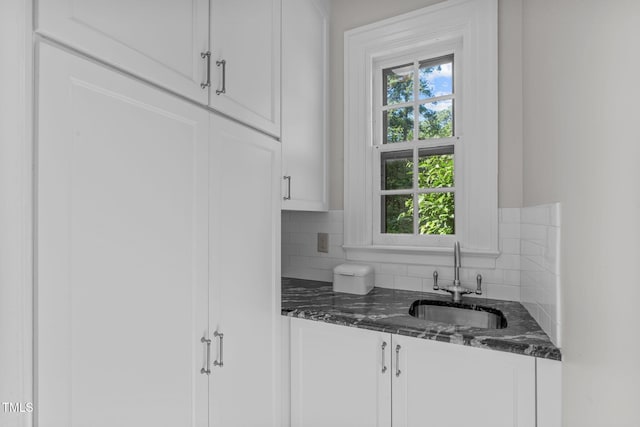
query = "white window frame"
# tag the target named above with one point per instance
(472, 26)
(433, 52)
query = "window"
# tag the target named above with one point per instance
(415, 194)
(421, 130)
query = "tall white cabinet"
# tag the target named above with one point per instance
(245, 276)
(158, 282)
(305, 61)
(122, 258)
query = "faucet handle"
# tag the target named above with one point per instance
(479, 284)
(435, 280)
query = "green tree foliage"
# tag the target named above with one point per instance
(436, 210)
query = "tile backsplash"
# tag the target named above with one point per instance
(525, 271)
(540, 266)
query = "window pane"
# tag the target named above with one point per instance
(435, 167)
(398, 124)
(397, 170)
(398, 84)
(397, 214)
(436, 77)
(436, 119)
(436, 213)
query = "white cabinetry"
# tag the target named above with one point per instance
(160, 41)
(157, 225)
(245, 275)
(304, 104)
(121, 250)
(166, 41)
(245, 34)
(456, 385)
(338, 376)
(337, 379)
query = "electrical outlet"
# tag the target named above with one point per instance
(323, 243)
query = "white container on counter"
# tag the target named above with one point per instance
(353, 279)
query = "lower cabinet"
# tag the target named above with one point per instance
(343, 376)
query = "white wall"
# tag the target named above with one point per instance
(348, 14)
(581, 148)
(15, 204)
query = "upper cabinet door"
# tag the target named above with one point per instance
(122, 220)
(304, 104)
(245, 61)
(160, 41)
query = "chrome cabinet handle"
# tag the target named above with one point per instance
(288, 196)
(207, 57)
(221, 336)
(398, 371)
(384, 364)
(206, 369)
(224, 76)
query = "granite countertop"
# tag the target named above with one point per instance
(387, 310)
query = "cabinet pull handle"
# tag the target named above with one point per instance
(206, 369)
(207, 57)
(398, 371)
(221, 336)
(288, 196)
(384, 364)
(224, 76)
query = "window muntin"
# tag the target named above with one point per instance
(416, 162)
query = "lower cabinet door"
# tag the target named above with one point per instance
(339, 376)
(245, 276)
(122, 251)
(440, 384)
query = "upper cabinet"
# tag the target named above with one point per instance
(245, 61)
(159, 41)
(304, 104)
(227, 57)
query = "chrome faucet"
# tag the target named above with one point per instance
(457, 290)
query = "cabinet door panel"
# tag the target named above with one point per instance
(158, 40)
(245, 275)
(337, 378)
(304, 103)
(121, 251)
(246, 34)
(454, 385)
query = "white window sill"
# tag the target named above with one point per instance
(476, 258)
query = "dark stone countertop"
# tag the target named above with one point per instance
(387, 310)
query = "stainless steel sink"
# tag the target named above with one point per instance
(458, 314)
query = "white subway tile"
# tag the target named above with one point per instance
(535, 215)
(385, 281)
(336, 239)
(510, 215)
(395, 269)
(508, 262)
(530, 248)
(510, 246)
(408, 283)
(512, 277)
(535, 233)
(509, 231)
(502, 292)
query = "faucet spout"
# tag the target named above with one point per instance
(456, 263)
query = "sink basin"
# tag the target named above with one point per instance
(458, 314)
